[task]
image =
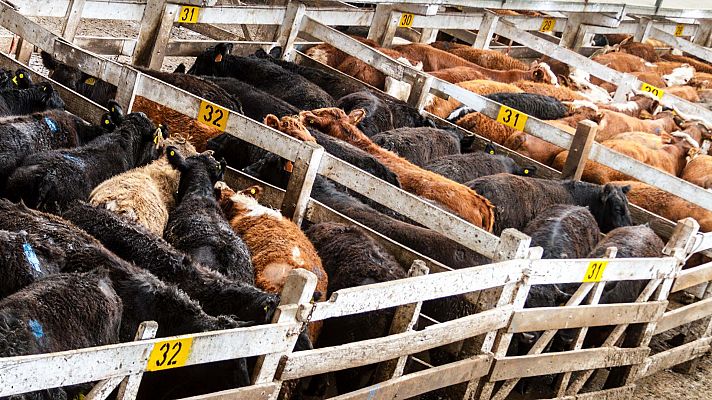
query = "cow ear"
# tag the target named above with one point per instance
(626, 189)
(276, 52)
(221, 50)
(529, 171)
(116, 112)
(22, 79)
(489, 149)
(180, 69)
(107, 123)
(176, 159)
(272, 121)
(538, 73)
(357, 115)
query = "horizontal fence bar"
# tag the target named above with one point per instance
(684, 315)
(20, 374)
(677, 355)
(681, 44)
(691, 277)
(412, 290)
(546, 318)
(556, 363)
(350, 355)
(544, 272)
(417, 383)
(262, 391)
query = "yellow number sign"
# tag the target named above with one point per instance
(213, 115)
(547, 25)
(188, 14)
(512, 118)
(169, 354)
(679, 30)
(657, 92)
(594, 273)
(406, 21)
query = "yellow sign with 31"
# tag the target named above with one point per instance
(188, 14)
(594, 272)
(512, 118)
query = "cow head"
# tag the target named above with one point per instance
(290, 125)
(612, 209)
(680, 75)
(49, 96)
(21, 79)
(335, 122)
(210, 62)
(542, 73)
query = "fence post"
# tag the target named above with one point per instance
(703, 35)
(300, 183)
(72, 18)
(404, 319)
(298, 289)
(129, 386)
(23, 51)
(126, 91)
(625, 86)
(645, 24)
(150, 23)
(486, 31)
(419, 91)
(379, 23)
(679, 245)
(571, 30)
(289, 29)
(428, 35)
(579, 150)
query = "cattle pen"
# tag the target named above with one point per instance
(481, 369)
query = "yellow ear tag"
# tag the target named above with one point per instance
(22, 76)
(173, 153)
(491, 152)
(90, 81)
(526, 171)
(155, 139)
(253, 191)
(113, 109)
(107, 122)
(14, 80)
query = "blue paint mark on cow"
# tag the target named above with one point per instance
(36, 328)
(51, 124)
(32, 257)
(73, 159)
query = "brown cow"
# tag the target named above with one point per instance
(613, 122)
(699, 171)
(456, 197)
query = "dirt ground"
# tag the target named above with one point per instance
(664, 385)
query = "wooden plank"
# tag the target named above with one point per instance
(128, 387)
(72, 19)
(569, 270)
(301, 181)
(299, 288)
(579, 150)
(412, 385)
(625, 392)
(106, 46)
(20, 374)
(162, 36)
(486, 30)
(682, 44)
(147, 36)
(256, 392)
(211, 31)
(404, 320)
(545, 318)
(319, 361)
(289, 29)
(412, 290)
(555, 363)
(691, 277)
(684, 315)
(103, 389)
(670, 358)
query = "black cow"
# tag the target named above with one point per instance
(198, 226)
(88, 86)
(519, 199)
(52, 179)
(27, 101)
(466, 167)
(289, 86)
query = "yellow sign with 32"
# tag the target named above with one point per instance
(169, 354)
(213, 115)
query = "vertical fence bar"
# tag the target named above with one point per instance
(150, 24)
(129, 387)
(289, 30)
(486, 31)
(301, 181)
(579, 150)
(72, 19)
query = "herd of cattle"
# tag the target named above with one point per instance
(107, 226)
